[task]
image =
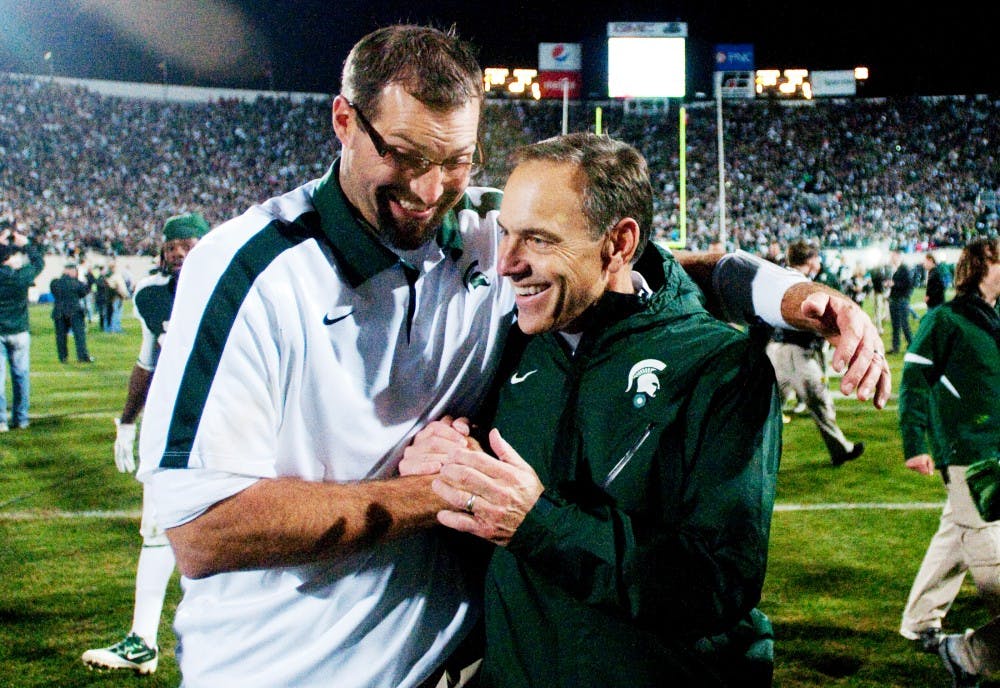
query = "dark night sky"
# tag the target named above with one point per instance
(949, 50)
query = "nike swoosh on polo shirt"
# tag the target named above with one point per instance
(328, 320)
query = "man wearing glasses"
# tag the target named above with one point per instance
(312, 338)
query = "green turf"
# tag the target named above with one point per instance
(67, 583)
(836, 583)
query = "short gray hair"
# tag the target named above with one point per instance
(617, 177)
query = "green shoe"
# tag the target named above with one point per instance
(132, 653)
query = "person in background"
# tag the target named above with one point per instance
(859, 285)
(102, 295)
(117, 293)
(900, 292)
(69, 313)
(775, 254)
(934, 294)
(310, 339)
(880, 302)
(153, 302)
(86, 271)
(21, 262)
(949, 418)
(633, 514)
(799, 365)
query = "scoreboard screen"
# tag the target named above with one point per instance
(647, 60)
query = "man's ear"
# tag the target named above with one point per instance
(621, 244)
(341, 115)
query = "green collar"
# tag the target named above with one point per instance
(358, 252)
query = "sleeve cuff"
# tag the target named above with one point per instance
(751, 289)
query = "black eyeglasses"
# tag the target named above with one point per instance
(414, 163)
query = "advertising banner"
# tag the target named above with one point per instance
(734, 57)
(559, 57)
(840, 82)
(551, 84)
(648, 29)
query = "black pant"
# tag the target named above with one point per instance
(64, 323)
(899, 314)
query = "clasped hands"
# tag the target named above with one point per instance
(489, 496)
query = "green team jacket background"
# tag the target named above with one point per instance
(950, 389)
(653, 528)
(14, 286)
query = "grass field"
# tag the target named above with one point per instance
(837, 580)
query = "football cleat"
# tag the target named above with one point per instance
(132, 653)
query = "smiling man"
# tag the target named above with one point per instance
(311, 338)
(638, 441)
(567, 273)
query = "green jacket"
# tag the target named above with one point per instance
(14, 291)
(658, 445)
(950, 391)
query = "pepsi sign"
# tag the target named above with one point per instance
(559, 57)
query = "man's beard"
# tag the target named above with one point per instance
(409, 235)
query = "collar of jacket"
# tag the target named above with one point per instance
(672, 293)
(975, 309)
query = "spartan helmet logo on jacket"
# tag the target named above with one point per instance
(643, 375)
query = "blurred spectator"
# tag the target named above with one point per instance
(117, 291)
(102, 297)
(91, 275)
(859, 285)
(900, 291)
(775, 253)
(68, 314)
(934, 294)
(21, 262)
(880, 276)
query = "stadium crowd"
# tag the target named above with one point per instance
(84, 171)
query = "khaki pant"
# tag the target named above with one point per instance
(964, 542)
(881, 310)
(801, 370)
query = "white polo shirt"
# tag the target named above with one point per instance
(301, 346)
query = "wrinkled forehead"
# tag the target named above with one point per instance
(402, 119)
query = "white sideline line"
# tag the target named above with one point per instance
(906, 506)
(845, 506)
(48, 515)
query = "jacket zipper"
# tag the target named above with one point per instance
(622, 462)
